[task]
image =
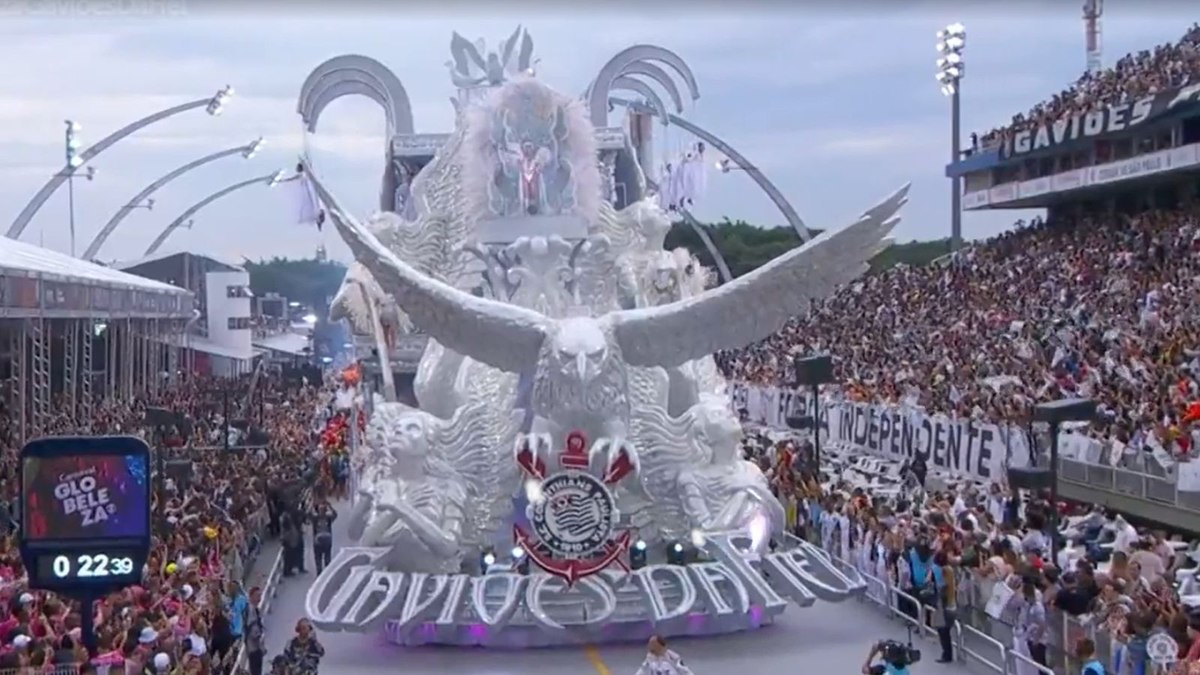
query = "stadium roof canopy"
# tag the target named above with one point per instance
(20, 258)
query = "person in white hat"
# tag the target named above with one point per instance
(162, 662)
(21, 642)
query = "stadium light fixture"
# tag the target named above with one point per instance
(951, 41)
(252, 149)
(217, 104)
(73, 144)
(951, 67)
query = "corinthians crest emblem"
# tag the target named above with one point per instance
(574, 522)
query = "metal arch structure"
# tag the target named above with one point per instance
(602, 86)
(60, 177)
(191, 211)
(734, 156)
(353, 74)
(356, 75)
(106, 231)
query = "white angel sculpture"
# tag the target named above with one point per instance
(430, 492)
(725, 492)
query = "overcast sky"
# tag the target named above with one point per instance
(837, 110)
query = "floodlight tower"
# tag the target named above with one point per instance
(951, 42)
(1092, 11)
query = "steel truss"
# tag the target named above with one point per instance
(87, 327)
(39, 334)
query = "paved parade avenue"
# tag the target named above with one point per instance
(827, 638)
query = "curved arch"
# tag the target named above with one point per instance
(660, 77)
(106, 231)
(178, 222)
(781, 202)
(346, 87)
(627, 83)
(598, 93)
(386, 90)
(27, 213)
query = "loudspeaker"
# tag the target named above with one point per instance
(1065, 410)
(179, 470)
(813, 370)
(1029, 479)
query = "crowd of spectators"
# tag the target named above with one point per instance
(189, 613)
(1103, 307)
(979, 556)
(1168, 66)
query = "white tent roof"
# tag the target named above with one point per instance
(17, 257)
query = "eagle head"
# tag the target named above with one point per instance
(580, 348)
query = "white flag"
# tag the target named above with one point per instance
(304, 200)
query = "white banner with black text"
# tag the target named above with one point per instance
(964, 447)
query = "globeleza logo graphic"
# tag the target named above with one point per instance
(574, 520)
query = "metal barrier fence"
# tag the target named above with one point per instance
(1160, 489)
(983, 640)
(270, 589)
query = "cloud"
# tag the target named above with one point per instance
(839, 111)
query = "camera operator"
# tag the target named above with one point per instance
(662, 661)
(895, 657)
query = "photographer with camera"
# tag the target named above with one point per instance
(895, 657)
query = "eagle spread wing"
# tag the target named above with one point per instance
(753, 306)
(502, 336)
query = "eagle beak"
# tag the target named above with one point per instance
(581, 364)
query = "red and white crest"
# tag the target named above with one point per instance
(573, 521)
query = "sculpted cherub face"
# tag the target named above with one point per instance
(399, 431)
(410, 436)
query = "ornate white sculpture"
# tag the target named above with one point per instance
(609, 339)
(702, 484)
(429, 495)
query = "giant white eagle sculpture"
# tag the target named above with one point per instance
(578, 367)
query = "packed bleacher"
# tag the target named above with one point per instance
(1134, 76)
(188, 614)
(1096, 307)
(979, 556)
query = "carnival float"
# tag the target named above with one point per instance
(572, 470)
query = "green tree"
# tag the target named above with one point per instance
(746, 247)
(307, 280)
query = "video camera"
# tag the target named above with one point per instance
(899, 655)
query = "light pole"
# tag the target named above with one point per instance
(213, 105)
(184, 219)
(246, 151)
(73, 162)
(952, 40)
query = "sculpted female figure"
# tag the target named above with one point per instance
(414, 501)
(694, 477)
(726, 492)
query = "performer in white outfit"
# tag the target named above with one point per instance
(662, 661)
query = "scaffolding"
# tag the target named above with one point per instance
(58, 370)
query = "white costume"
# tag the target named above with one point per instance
(668, 663)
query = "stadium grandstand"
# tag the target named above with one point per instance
(1098, 299)
(87, 349)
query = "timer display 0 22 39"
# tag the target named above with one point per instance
(85, 521)
(114, 566)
